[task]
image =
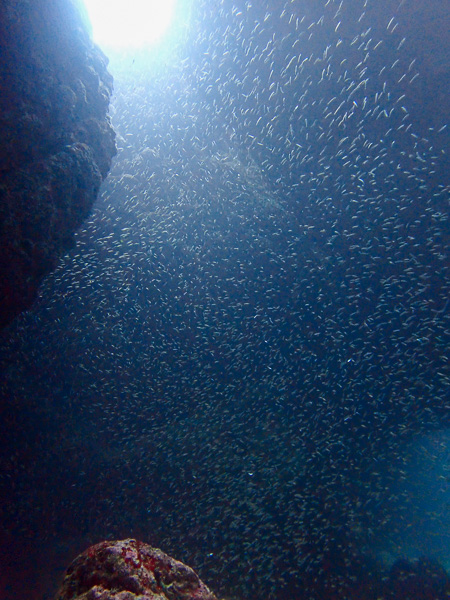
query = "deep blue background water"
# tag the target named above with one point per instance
(243, 361)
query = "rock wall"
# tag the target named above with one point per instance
(56, 141)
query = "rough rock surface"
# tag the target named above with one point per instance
(56, 141)
(130, 570)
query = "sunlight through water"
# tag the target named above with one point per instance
(129, 23)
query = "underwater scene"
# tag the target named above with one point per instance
(243, 360)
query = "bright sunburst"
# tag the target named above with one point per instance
(129, 23)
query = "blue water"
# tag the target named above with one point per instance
(243, 361)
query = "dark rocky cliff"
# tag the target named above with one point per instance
(56, 141)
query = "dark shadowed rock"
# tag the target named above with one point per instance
(56, 141)
(423, 579)
(127, 570)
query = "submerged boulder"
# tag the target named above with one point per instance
(423, 579)
(130, 570)
(56, 141)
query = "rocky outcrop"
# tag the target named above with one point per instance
(130, 570)
(56, 141)
(421, 579)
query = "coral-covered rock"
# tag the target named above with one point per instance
(130, 570)
(56, 141)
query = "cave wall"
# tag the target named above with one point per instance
(56, 140)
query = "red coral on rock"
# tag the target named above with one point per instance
(130, 570)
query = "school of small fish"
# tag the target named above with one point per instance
(247, 348)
